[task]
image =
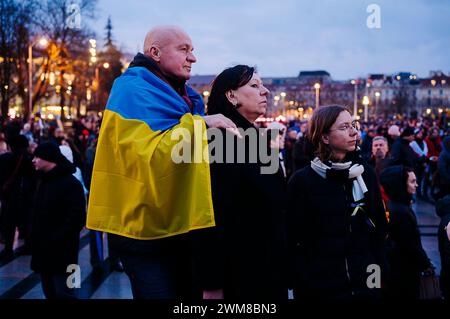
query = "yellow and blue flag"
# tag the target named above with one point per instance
(137, 191)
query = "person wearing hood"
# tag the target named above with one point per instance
(444, 168)
(443, 211)
(406, 256)
(59, 214)
(17, 178)
(402, 153)
(336, 221)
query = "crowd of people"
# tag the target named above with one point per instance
(340, 202)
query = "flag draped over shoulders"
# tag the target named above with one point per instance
(137, 190)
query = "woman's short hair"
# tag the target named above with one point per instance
(321, 121)
(229, 79)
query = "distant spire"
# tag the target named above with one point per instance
(108, 28)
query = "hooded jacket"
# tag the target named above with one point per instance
(405, 247)
(443, 211)
(59, 214)
(444, 162)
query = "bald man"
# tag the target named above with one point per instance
(146, 211)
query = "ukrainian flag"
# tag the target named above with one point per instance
(137, 190)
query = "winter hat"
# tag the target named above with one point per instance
(407, 131)
(67, 152)
(394, 130)
(50, 152)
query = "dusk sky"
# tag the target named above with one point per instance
(285, 36)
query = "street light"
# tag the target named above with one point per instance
(43, 42)
(377, 97)
(355, 98)
(366, 103)
(283, 102)
(317, 87)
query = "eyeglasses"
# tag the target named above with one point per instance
(355, 125)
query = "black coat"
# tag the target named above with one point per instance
(403, 154)
(16, 193)
(329, 249)
(443, 210)
(244, 254)
(406, 256)
(59, 214)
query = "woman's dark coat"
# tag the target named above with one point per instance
(406, 256)
(329, 249)
(245, 253)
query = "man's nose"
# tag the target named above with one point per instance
(191, 57)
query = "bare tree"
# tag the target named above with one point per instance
(15, 27)
(69, 43)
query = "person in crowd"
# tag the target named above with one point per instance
(366, 146)
(402, 153)
(242, 257)
(444, 168)
(393, 134)
(280, 144)
(380, 158)
(59, 214)
(17, 179)
(291, 139)
(443, 211)
(407, 258)
(143, 199)
(420, 148)
(303, 150)
(434, 145)
(336, 221)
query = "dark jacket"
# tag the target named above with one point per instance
(59, 214)
(329, 248)
(443, 211)
(403, 154)
(406, 255)
(17, 182)
(245, 253)
(444, 163)
(302, 152)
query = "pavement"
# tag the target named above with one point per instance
(17, 281)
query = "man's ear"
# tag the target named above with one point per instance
(326, 139)
(155, 53)
(231, 96)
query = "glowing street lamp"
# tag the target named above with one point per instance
(355, 97)
(377, 97)
(366, 103)
(317, 88)
(43, 42)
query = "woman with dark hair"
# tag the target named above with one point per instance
(407, 258)
(336, 220)
(243, 256)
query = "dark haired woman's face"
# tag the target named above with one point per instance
(411, 183)
(342, 136)
(252, 98)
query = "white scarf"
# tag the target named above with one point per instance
(355, 171)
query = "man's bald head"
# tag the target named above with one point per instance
(161, 36)
(170, 48)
